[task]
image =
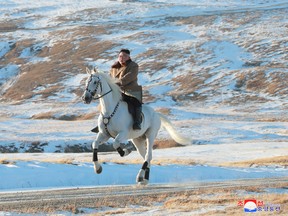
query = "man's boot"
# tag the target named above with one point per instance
(138, 118)
(95, 130)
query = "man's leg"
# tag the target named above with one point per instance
(138, 117)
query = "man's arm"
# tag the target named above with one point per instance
(130, 76)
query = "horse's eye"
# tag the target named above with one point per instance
(95, 83)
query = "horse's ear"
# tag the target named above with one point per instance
(88, 71)
(95, 70)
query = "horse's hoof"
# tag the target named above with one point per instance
(143, 182)
(98, 171)
(139, 179)
(140, 176)
(127, 151)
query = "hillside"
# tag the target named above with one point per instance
(213, 60)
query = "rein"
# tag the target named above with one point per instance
(103, 94)
(106, 120)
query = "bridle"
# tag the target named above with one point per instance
(97, 83)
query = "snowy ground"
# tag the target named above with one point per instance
(188, 164)
(215, 68)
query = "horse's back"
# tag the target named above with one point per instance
(151, 118)
(148, 111)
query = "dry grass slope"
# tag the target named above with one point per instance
(68, 56)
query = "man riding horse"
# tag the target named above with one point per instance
(126, 71)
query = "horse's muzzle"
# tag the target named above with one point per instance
(86, 98)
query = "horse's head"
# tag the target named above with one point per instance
(93, 86)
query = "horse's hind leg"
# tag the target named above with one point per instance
(140, 146)
(143, 174)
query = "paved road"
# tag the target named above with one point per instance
(57, 199)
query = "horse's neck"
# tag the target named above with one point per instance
(107, 102)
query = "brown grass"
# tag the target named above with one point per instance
(188, 85)
(164, 111)
(63, 59)
(6, 162)
(240, 80)
(52, 115)
(256, 81)
(160, 144)
(272, 161)
(280, 118)
(10, 26)
(46, 115)
(60, 161)
(47, 160)
(205, 200)
(225, 199)
(197, 20)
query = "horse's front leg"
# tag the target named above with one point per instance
(100, 139)
(121, 138)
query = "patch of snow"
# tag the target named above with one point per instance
(4, 48)
(51, 175)
(8, 72)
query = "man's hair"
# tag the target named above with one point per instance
(125, 51)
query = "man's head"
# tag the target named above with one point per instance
(123, 56)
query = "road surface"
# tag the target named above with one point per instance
(73, 199)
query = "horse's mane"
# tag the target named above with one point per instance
(112, 83)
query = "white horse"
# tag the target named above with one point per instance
(115, 121)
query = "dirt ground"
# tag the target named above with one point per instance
(194, 198)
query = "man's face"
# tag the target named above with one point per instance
(123, 57)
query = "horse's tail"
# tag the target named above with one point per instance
(173, 133)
